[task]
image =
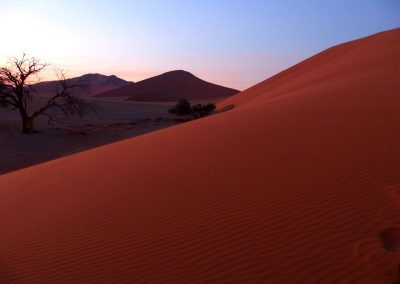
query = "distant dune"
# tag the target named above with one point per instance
(171, 86)
(294, 185)
(94, 84)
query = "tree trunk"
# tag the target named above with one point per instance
(27, 125)
(27, 121)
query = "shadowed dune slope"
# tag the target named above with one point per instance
(295, 185)
(170, 86)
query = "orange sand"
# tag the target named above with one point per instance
(294, 185)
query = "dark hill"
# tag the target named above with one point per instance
(94, 84)
(171, 86)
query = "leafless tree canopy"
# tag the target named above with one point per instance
(17, 92)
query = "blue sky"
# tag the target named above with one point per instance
(236, 43)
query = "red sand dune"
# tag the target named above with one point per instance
(171, 86)
(294, 185)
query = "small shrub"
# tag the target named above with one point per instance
(203, 110)
(182, 107)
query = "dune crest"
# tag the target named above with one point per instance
(294, 185)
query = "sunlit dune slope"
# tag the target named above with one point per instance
(294, 185)
(337, 70)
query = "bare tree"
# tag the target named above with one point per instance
(17, 92)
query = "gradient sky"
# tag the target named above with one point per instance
(229, 42)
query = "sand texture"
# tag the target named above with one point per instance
(294, 185)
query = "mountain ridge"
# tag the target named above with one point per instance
(94, 83)
(171, 86)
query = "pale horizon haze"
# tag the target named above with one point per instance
(231, 43)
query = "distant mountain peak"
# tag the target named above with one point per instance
(92, 75)
(169, 86)
(97, 83)
(181, 73)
